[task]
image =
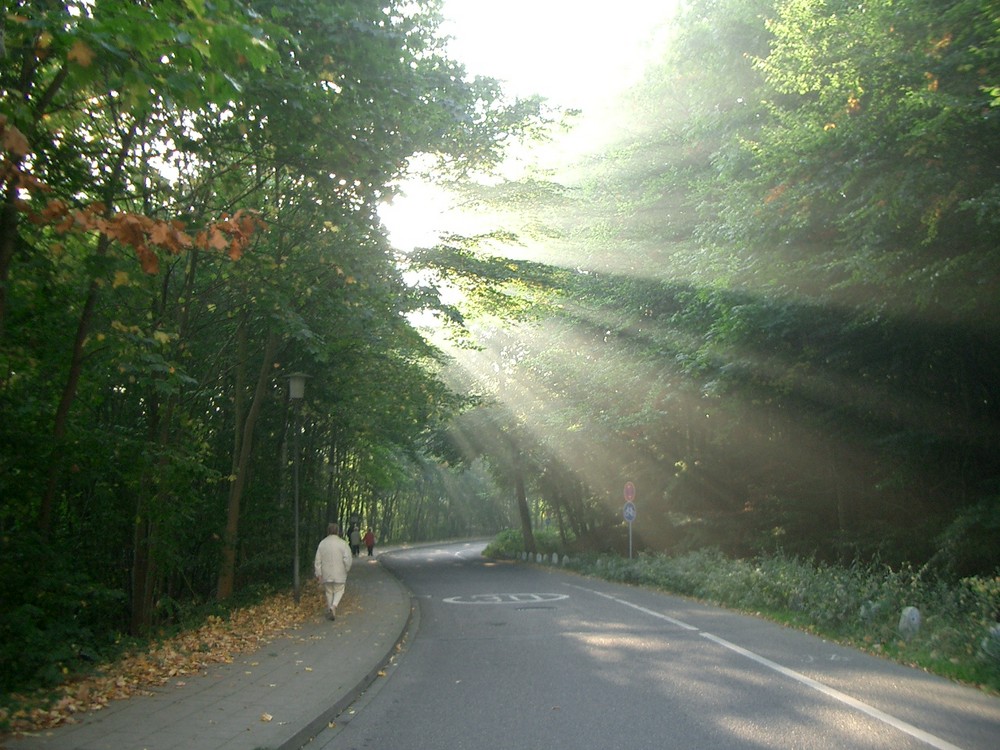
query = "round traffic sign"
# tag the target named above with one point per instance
(629, 491)
(629, 511)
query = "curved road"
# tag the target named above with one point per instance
(505, 655)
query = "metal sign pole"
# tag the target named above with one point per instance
(628, 511)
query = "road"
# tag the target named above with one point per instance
(507, 655)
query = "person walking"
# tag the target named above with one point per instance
(331, 566)
(370, 541)
(355, 536)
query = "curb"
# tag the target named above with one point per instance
(309, 732)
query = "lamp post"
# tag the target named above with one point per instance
(296, 392)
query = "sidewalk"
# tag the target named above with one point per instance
(301, 680)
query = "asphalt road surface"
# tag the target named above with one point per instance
(507, 656)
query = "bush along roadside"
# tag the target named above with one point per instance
(952, 630)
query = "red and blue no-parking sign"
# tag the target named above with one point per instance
(629, 510)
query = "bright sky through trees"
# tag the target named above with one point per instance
(577, 55)
(573, 53)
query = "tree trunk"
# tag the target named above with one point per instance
(143, 573)
(227, 570)
(62, 412)
(522, 503)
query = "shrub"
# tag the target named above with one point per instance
(52, 618)
(969, 544)
(509, 544)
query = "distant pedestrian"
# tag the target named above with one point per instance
(332, 564)
(355, 537)
(370, 541)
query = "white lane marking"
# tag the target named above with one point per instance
(882, 716)
(449, 553)
(645, 611)
(906, 728)
(505, 598)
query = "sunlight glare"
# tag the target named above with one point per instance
(571, 54)
(575, 57)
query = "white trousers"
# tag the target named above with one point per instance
(334, 591)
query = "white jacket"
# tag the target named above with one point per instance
(333, 560)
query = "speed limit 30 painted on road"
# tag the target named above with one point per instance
(505, 598)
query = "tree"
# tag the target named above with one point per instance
(789, 252)
(173, 241)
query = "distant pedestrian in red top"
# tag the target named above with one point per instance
(370, 541)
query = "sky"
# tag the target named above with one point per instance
(576, 54)
(571, 51)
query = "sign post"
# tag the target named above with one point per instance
(628, 512)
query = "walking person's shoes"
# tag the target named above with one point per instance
(330, 614)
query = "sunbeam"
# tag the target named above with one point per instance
(760, 372)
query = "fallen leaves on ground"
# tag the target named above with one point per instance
(218, 641)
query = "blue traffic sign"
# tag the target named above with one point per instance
(629, 511)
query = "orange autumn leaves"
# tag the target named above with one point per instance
(232, 233)
(172, 661)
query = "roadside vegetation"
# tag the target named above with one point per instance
(857, 605)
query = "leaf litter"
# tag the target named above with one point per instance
(192, 652)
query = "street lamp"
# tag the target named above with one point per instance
(296, 392)
(297, 385)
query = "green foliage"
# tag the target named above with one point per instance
(53, 619)
(493, 285)
(969, 543)
(781, 320)
(864, 142)
(507, 545)
(231, 157)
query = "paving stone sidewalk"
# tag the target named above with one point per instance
(277, 698)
